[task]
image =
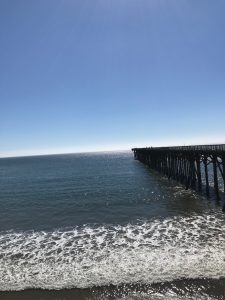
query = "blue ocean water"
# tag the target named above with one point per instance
(50, 192)
(98, 220)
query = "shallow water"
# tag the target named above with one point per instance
(104, 226)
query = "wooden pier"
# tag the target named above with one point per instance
(188, 165)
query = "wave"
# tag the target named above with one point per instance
(84, 257)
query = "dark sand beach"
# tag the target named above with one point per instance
(180, 289)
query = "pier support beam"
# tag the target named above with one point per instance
(199, 175)
(215, 177)
(186, 164)
(223, 168)
(206, 175)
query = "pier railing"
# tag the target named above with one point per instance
(216, 147)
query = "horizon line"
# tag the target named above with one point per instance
(111, 148)
(65, 153)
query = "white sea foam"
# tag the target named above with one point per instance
(156, 251)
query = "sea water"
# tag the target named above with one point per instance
(104, 226)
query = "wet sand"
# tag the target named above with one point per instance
(183, 289)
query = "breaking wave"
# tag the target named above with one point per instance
(88, 256)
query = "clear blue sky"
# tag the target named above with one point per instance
(82, 75)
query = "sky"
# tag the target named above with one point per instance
(91, 75)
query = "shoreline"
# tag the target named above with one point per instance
(184, 288)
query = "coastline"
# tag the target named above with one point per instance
(201, 288)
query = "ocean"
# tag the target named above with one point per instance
(104, 226)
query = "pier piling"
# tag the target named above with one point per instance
(189, 165)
